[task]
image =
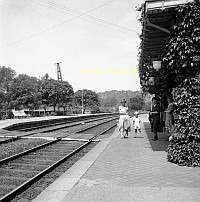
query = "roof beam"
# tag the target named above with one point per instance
(157, 27)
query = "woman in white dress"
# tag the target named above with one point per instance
(123, 112)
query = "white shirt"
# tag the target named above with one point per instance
(123, 110)
(136, 120)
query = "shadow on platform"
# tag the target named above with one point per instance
(161, 144)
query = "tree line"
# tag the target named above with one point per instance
(25, 92)
(30, 93)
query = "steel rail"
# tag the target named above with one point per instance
(28, 183)
(44, 126)
(88, 128)
(73, 124)
(57, 124)
(9, 140)
(49, 123)
(13, 157)
(53, 129)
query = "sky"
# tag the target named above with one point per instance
(94, 41)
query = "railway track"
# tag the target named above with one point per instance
(48, 128)
(31, 165)
(18, 145)
(33, 125)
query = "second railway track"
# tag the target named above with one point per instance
(31, 131)
(17, 145)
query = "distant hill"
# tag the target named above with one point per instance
(119, 95)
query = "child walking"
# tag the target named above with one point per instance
(136, 122)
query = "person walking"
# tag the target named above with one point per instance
(123, 110)
(155, 117)
(136, 122)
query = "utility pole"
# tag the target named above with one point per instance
(82, 102)
(59, 74)
(59, 77)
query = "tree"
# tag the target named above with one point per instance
(90, 98)
(54, 93)
(6, 76)
(23, 92)
(136, 103)
(110, 102)
(66, 93)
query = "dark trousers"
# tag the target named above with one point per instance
(155, 125)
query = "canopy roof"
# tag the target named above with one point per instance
(158, 15)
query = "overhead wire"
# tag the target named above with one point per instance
(95, 19)
(6, 4)
(55, 26)
(38, 14)
(74, 13)
(19, 7)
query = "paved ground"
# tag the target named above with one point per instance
(123, 170)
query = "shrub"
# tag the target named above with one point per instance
(184, 147)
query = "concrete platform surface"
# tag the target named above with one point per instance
(9, 122)
(123, 170)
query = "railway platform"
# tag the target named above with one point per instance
(9, 122)
(123, 170)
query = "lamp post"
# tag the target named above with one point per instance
(157, 66)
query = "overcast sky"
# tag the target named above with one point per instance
(93, 39)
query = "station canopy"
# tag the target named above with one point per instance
(158, 16)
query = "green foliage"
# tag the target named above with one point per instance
(184, 153)
(184, 148)
(6, 76)
(90, 98)
(95, 109)
(54, 93)
(136, 103)
(181, 59)
(119, 95)
(23, 92)
(109, 102)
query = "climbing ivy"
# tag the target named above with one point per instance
(182, 55)
(181, 58)
(184, 147)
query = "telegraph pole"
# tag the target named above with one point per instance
(82, 102)
(59, 77)
(59, 74)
